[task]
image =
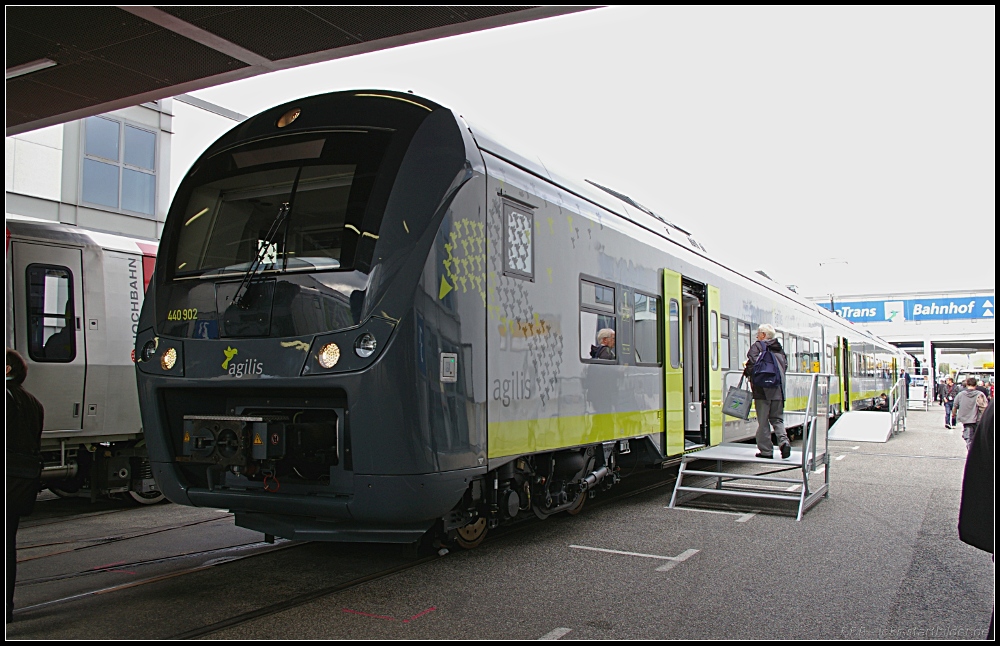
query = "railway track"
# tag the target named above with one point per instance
(318, 593)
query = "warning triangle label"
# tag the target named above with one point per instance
(256, 439)
(187, 437)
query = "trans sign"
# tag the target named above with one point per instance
(923, 309)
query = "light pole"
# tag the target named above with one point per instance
(829, 263)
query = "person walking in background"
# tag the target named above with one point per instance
(24, 465)
(969, 407)
(948, 394)
(977, 514)
(905, 376)
(768, 391)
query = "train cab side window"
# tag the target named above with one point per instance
(51, 315)
(519, 257)
(598, 323)
(646, 326)
(724, 342)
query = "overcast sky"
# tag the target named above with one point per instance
(844, 150)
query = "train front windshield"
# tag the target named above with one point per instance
(298, 202)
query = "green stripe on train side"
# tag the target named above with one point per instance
(534, 435)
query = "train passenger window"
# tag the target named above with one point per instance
(598, 322)
(815, 357)
(713, 339)
(743, 340)
(724, 342)
(647, 325)
(51, 316)
(805, 363)
(675, 334)
(791, 353)
(518, 248)
(780, 336)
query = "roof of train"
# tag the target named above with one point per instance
(50, 231)
(647, 220)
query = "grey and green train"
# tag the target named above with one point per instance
(369, 321)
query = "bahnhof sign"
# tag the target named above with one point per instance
(927, 324)
(947, 308)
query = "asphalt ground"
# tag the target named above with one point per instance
(880, 558)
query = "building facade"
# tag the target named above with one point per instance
(106, 173)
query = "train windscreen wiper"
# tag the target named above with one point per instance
(258, 261)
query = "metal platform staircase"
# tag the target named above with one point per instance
(762, 478)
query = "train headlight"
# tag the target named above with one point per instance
(168, 359)
(364, 345)
(329, 355)
(148, 350)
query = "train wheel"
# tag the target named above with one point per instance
(472, 534)
(150, 498)
(65, 492)
(578, 505)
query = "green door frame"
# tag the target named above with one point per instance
(715, 419)
(673, 369)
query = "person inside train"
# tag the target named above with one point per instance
(768, 400)
(882, 402)
(59, 346)
(605, 348)
(24, 465)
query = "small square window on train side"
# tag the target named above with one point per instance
(518, 246)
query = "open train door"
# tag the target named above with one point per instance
(673, 369)
(47, 299)
(715, 395)
(845, 375)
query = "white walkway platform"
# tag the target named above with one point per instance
(862, 426)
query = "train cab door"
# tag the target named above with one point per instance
(47, 285)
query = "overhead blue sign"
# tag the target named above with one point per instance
(921, 309)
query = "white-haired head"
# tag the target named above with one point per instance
(767, 331)
(605, 333)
